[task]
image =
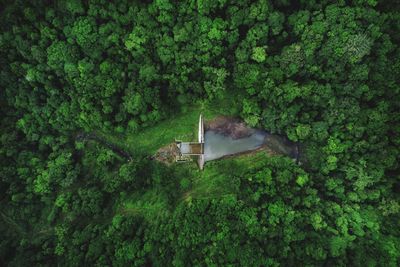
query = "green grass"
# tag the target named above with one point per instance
(218, 180)
(149, 140)
(183, 126)
(150, 205)
(213, 182)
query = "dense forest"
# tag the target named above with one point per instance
(90, 89)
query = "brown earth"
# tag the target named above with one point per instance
(229, 126)
(167, 154)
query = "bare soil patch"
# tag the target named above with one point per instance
(229, 126)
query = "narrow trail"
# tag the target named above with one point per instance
(82, 137)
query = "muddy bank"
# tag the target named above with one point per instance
(229, 126)
(282, 146)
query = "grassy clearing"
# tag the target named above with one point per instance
(213, 182)
(220, 179)
(181, 126)
(150, 205)
(216, 180)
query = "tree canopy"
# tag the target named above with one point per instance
(80, 79)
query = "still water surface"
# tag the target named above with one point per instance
(217, 145)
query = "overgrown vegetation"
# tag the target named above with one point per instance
(136, 74)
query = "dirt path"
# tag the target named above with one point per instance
(82, 137)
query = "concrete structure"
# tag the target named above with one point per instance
(188, 149)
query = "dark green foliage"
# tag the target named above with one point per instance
(77, 75)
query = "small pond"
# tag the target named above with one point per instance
(218, 145)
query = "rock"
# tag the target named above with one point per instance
(167, 154)
(229, 127)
